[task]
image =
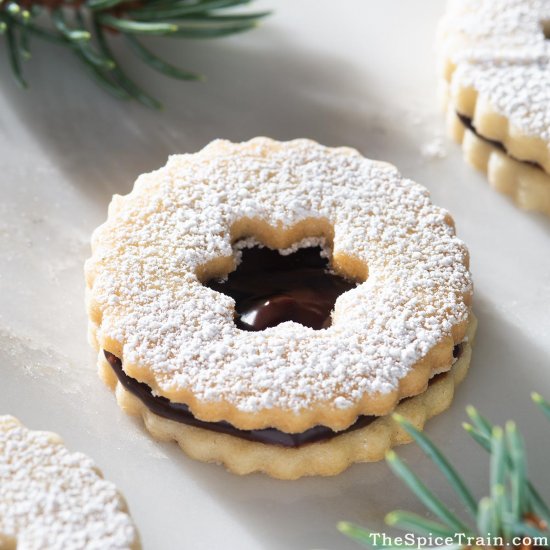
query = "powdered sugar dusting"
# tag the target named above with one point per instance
(500, 50)
(178, 218)
(52, 498)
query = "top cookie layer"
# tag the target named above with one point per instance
(148, 306)
(52, 498)
(497, 49)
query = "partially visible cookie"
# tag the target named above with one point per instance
(495, 85)
(51, 498)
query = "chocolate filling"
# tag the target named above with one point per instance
(469, 124)
(180, 413)
(268, 288)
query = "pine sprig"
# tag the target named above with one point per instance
(86, 27)
(514, 508)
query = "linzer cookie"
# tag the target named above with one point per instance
(267, 305)
(56, 499)
(495, 83)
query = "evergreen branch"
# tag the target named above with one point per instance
(169, 18)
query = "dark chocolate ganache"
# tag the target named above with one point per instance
(469, 124)
(270, 288)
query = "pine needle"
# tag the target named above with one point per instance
(429, 500)
(157, 63)
(407, 521)
(138, 27)
(441, 462)
(14, 54)
(543, 405)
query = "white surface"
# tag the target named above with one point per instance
(357, 73)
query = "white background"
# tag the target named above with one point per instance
(358, 73)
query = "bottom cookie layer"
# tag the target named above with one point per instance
(326, 458)
(528, 185)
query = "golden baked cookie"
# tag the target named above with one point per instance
(494, 58)
(56, 499)
(278, 293)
